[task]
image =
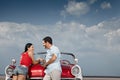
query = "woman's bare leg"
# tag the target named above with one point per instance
(15, 78)
(21, 77)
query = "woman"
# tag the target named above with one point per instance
(26, 60)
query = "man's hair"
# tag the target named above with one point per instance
(47, 39)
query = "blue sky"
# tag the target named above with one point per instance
(88, 28)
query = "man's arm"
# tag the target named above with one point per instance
(51, 60)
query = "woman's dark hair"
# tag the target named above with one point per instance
(28, 45)
(47, 39)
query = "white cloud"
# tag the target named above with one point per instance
(75, 8)
(106, 5)
(92, 1)
(72, 34)
(113, 38)
(14, 33)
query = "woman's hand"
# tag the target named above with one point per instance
(41, 60)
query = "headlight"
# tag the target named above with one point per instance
(76, 70)
(9, 71)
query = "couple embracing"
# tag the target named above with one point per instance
(51, 62)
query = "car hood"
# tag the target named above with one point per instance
(36, 71)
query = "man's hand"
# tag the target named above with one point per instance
(44, 65)
(42, 61)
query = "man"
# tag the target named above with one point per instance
(52, 64)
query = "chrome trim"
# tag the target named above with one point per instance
(78, 68)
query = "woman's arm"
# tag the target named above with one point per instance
(33, 60)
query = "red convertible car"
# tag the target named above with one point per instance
(70, 69)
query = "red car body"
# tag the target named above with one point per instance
(69, 70)
(37, 71)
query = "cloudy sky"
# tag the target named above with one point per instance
(88, 28)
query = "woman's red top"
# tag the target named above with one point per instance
(25, 59)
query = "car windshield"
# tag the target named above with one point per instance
(64, 56)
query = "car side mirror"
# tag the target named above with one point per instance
(76, 60)
(13, 61)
